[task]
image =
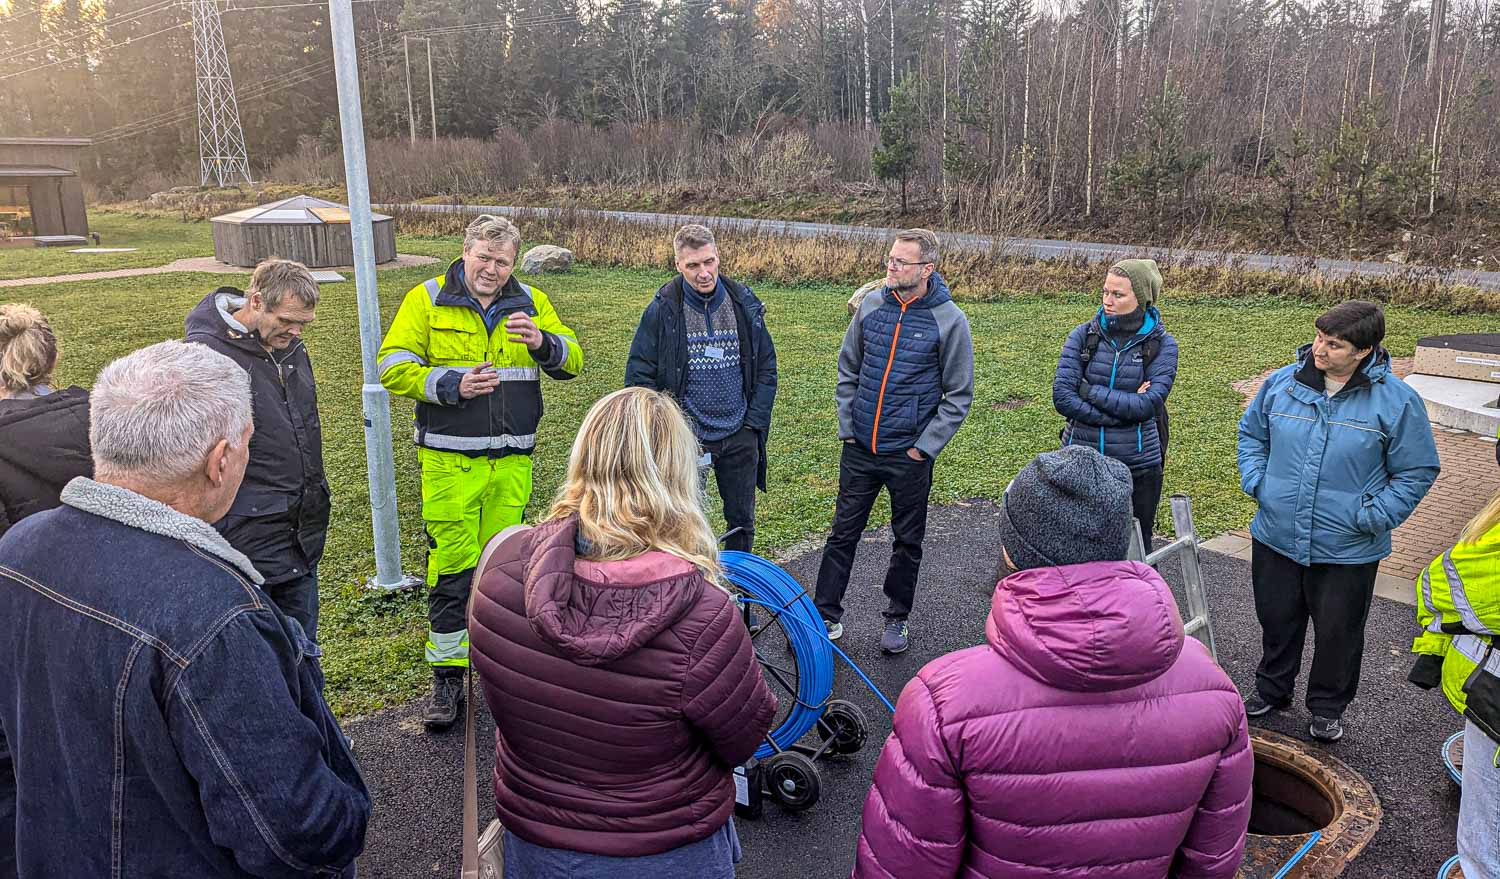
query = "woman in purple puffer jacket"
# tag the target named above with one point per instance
(1087, 738)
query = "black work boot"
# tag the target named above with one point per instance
(447, 694)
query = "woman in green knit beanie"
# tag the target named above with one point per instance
(1113, 378)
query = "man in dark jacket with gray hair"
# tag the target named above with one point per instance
(906, 379)
(280, 516)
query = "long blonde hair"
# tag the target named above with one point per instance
(633, 482)
(1481, 524)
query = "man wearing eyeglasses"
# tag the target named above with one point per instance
(906, 379)
(470, 346)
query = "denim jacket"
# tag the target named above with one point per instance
(158, 715)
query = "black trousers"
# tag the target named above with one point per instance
(736, 463)
(1337, 600)
(298, 599)
(861, 477)
(1145, 498)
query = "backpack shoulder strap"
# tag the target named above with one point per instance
(1091, 340)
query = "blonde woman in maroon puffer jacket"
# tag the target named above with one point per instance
(622, 680)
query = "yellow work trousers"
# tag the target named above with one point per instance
(465, 502)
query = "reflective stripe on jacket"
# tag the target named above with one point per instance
(1333, 476)
(439, 334)
(1458, 607)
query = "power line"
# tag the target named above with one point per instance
(123, 42)
(86, 29)
(316, 69)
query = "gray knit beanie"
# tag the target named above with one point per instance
(1065, 508)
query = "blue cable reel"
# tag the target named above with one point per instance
(791, 776)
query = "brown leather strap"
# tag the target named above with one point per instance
(470, 869)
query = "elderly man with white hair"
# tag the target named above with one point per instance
(159, 716)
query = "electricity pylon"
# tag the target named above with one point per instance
(221, 142)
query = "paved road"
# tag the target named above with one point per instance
(1037, 248)
(1393, 739)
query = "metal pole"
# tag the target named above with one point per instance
(431, 93)
(377, 410)
(411, 113)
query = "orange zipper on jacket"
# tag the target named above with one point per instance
(880, 400)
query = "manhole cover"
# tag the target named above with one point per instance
(1311, 814)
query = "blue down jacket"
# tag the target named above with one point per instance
(1107, 414)
(906, 372)
(1335, 475)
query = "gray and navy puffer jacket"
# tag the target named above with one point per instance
(906, 372)
(1098, 394)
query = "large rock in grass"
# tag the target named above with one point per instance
(862, 292)
(546, 258)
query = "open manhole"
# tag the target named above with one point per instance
(1288, 800)
(1310, 814)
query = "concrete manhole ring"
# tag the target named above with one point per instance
(1453, 756)
(1310, 810)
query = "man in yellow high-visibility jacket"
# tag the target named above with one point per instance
(470, 346)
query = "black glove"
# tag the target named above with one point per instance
(1427, 671)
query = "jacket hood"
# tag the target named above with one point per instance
(937, 293)
(1150, 326)
(1093, 627)
(214, 316)
(671, 293)
(47, 435)
(597, 612)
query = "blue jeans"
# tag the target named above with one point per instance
(1479, 808)
(298, 599)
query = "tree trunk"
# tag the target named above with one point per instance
(864, 39)
(1435, 40)
(1026, 106)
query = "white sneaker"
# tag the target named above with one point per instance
(835, 630)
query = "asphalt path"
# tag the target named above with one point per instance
(1035, 248)
(1393, 737)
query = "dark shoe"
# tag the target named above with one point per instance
(835, 630)
(442, 706)
(895, 639)
(1255, 706)
(1326, 729)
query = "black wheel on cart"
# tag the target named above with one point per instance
(845, 724)
(792, 780)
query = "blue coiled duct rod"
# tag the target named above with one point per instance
(768, 586)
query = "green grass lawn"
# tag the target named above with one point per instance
(374, 642)
(158, 241)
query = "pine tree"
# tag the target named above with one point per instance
(896, 156)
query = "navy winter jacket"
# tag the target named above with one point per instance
(1106, 413)
(906, 372)
(658, 354)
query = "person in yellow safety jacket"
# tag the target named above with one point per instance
(470, 346)
(1458, 607)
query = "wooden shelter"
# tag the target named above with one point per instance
(310, 230)
(41, 194)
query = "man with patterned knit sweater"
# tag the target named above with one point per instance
(703, 340)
